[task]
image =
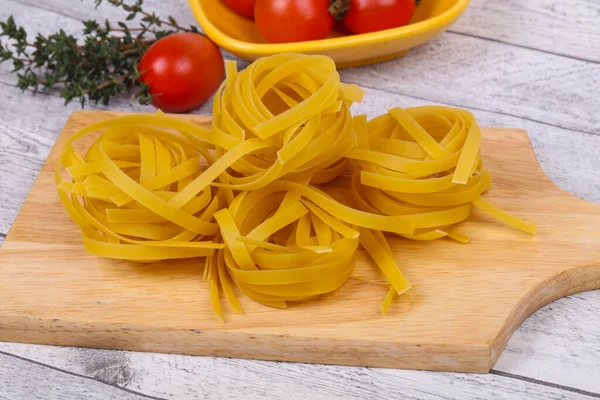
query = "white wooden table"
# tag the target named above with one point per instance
(531, 64)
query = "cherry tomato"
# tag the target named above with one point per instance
(183, 71)
(242, 7)
(281, 21)
(376, 15)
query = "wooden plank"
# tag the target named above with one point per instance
(472, 73)
(505, 79)
(25, 140)
(567, 27)
(559, 344)
(557, 151)
(533, 23)
(20, 379)
(568, 161)
(97, 306)
(87, 10)
(40, 19)
(186, 377)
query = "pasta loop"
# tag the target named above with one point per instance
(424, 163)
(296, 111)
(121, 192)
(290, 242)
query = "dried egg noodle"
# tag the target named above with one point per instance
(121, 191)
(281, 125)
(424, 162)
(289, 242)
(286, 115)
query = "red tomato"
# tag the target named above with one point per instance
(376, 15)
(183, 71)
(281, 21)
(242, 7)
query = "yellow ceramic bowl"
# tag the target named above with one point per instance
(240, 36)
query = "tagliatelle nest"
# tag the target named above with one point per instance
(127, 193)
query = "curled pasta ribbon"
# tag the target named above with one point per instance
(424, 162)
(152, 187)
(120, 193)
(291, 242)
(287, 115)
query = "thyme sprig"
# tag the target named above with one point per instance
(99, 65)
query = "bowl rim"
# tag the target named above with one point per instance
(233, 45)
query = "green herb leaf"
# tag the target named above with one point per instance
(96, 67)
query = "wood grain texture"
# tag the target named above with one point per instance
(20, 379)
(185, 377)
(566, 27)
(558, 344)
(506, 79)
(25, 140)
(542, 87)
(567, 156)
(535, 24)
(162, 307)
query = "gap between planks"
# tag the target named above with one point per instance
(521, 46)
(544, 383)
(362, 85)
(451, 31)
(91, 106)
(4, 353)
(124, 389)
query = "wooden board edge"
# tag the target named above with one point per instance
(541, 171)
(52, 151)
(473, 358)
(566, 283)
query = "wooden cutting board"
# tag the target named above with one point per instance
(465, 302)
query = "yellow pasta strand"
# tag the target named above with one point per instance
(424, 163)
(294, 104)
(307, 265)
(132, 219)
(387, 301)
(505, 217)
(319, 271)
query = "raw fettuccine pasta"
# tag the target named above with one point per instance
(243, 195)
(290, 242)
(121, 191)
(424, 162)
(286, 115)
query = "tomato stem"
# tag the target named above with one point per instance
(339, 8)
